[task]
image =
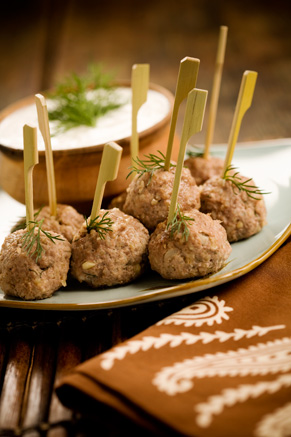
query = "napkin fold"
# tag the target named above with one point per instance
(219, 367)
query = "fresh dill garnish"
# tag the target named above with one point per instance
(195, 153)
(102, 226)
(81, 100)
(251, 190)
(148, 165)
(179, 224)
(30, 238)
(21, 223)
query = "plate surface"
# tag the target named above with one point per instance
(267, 162)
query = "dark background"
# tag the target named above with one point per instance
(41, 41)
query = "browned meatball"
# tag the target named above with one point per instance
(118, 201)
(204, 252)
(117, 259)
(22, 276)
(203, 169)
(241, 215)
(67, 221)
(148, 198)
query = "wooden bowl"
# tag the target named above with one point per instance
(76, 170)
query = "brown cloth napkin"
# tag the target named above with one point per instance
(220, 367)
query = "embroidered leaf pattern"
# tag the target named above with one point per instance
(261, 359)
(208, 310)
(230, 396)
(148, 342)
(278, 422)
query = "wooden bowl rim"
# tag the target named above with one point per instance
(17, 153)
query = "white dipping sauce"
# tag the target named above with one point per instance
(113, 126)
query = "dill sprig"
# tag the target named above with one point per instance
(179, 224)
(251, 190)
(30, 238)
(102, 226)
(81, 100)
(198, 153)
(148, 165)
(21, 223)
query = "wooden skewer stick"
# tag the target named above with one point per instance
(244, 101)
(139, 84)
(215, 89)
(108, 172)
(43, 122)
(187, 78)
(193, 121)
(30, 160)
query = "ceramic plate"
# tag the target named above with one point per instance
(267, 162)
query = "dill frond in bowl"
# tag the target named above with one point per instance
(81, 100)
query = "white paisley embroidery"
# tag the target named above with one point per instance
(276, 424)
(208, 310)
(148, 342)
(229, 397)
(261, 359)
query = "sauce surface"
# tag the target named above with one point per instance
(113, 126)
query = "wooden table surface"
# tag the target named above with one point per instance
(41, 42)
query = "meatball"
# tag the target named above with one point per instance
(203, 169)
(240, 215)
(117, 259)
(118, 201)
(67, 221)
(23, 276)
(149, 197)
(204, 251)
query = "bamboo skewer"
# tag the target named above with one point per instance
(187, 78)
(43, 122)
(30, 160)
(244, 102)
(215, 89)
(108, 172)
(193, 121)
(139, 85)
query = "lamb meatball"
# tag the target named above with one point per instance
(203, 169)
(240, 215)
(22, 276)
(117, 259)
(148, 198)
(118, 201)
(204, 252)
(67, 221)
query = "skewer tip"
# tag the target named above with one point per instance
(40, 98)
